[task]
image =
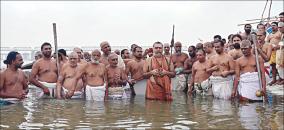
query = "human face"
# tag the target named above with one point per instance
(274, 27)
(138, 53)
(236, 40)
(18, 61)
(106, 49)
(207, 48)
(79, 53)
(167, 48)
(73, 59)
(46, 51)
(96, 55)
(281, 29)
(200, 56)
(261, 28)
(248, 28)
(158, 49)
(246, 50)
(281, 18)
(191, 52)
(218, 47)
(260, 37)
(126, 54)
(178, 47)
(113, 60)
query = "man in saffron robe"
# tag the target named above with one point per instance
(158, 70)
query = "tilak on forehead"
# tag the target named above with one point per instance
(104, 44)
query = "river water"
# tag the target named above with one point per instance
(184, 112)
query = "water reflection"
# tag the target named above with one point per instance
(185, 112)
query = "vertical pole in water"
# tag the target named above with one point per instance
(257, 63)
(56, 49)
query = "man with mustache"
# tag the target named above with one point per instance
(67, 85)
(44, 72)
(167, 50)
(189, 62)
(236, 52)
(13, 83)
(178, 59)
(221, 68)
(246, 35)
(135, 68)
(246, 81)
(158, 70)
(95, 74)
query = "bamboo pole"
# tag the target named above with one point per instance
(56, 48)
(257, 63)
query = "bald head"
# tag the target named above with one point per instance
(104, 43)
(178, 47)
(113, 59)
(73, 54)
(105, 48)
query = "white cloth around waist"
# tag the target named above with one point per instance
(95, 93)
(248, 85)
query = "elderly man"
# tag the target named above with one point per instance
(178, 59)
(246, 79)
(95, 74)
(208, 48)
(221, 66)
(106, 49)
(158, 71)
(115, 79)
(67, 85)
(13, 83)
(44, 72)
(167, 50)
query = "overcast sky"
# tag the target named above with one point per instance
(87, 23)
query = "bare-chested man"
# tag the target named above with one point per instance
(178, 59)
(167, 50)
(80, 56)
(44, 72)
(246, 35)
(189, 62)
(274, 40)
(95, 78)
(221, 66)
(106, 49)
(208, 48)
(200, 78)
(125, 55)
(115, 79)
(236, 52)
(87, 56)
(13, 83)
(247, 75)
(135, 68)
(67, 85)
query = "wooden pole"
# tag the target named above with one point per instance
(56, 49)
(257, 63)
(172, 41)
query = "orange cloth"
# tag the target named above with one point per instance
(159, 87)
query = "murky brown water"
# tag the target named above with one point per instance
(183, 113)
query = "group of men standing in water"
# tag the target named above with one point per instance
(216, 68)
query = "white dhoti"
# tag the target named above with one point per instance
(178, 82)
(221, 87)
(95, 93)
(77, 94)
(203, 88)
(280, 71)
(248, 85)
(116, 93)
(52, 89)
(140, 87)
(7, 101)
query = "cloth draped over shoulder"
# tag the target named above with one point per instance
(158, 87)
